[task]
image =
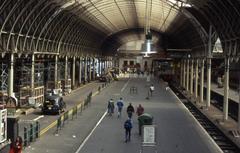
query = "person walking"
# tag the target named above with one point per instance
(110, 107)
(16, 147)
(120, 106)
(128, 127)
(140, 110)
(151, 89)
(130, 110)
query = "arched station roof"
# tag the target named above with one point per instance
(93, 27)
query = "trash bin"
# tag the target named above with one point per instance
(144, 119)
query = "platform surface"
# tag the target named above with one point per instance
(177, 130)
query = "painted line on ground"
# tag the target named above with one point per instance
(48, 127)
(43, 131)
(125, 85)
(41, 116)
(86, 139)
(204, 131)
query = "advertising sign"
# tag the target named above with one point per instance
(149, 135)
(3, 125)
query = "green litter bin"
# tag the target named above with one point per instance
(144, 119)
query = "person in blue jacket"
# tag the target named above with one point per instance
(120, 106)
(128, 127)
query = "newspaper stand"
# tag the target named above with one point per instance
(149, 138)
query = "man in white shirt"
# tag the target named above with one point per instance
(151, 89)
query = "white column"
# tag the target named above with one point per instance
(239, 100)
(191, 78)
(89, 68)
(80, 71)
(187, 82)
(73, 72)
(226, 88)
(66, 69)
(208, 82)
(184, 73)
(32, 75)
(196, 79)
(85, 69)
(10, 76)
(181, 73)
(202, 81)
(56, 72)
(94, 71)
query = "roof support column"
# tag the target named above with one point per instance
(239, 101)
(181, 73)
(202, 81)
(209, 55)
(187, 82)
(99, 66)
(90, 68)
(94, 71)
(184, 73)
(66, 70)
(32, 75)
(226, 88)
(10, 76)
(73, 72)
(85, 69)
(191, 78)
(56, 72)
(196, 79)
(80, 72)
(208, 82)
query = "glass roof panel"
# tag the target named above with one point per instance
(115, 15)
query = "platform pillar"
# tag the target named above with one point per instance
(239, 100)
(85, 69)
(90, 68)
(202, 81)
(73, 72)
(196, 79)
(208, 82)
(184, 73)
(66, 69)
(32, 75)
(181, 73)
(191, 78)
(56, 72)
(94, 71)
(10, 75)
(226, 88)
(187, 82)
(80, 71)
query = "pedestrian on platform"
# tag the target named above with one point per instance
(128, 127)
(120, 106)
(130, 110)
(151, 89)
(140, 110)
(16, 147)
(110, 107)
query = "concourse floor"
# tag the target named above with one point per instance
(177, 130)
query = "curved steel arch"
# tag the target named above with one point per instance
(35, 19)
(16, 20)
(27, 18)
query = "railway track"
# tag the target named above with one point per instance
(216, 134)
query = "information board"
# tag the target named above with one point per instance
(149, 135)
